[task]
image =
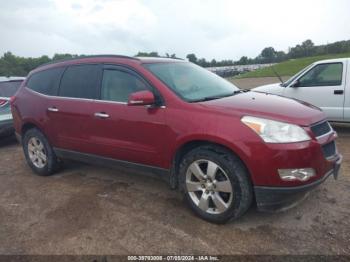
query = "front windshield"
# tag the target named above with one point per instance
(290, 80)
(191, 82)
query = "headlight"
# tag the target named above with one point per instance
(274, 131)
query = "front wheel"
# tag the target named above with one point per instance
(215, 183)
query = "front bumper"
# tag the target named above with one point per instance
(281, 198)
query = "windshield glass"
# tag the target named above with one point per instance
(191, 82)
(290, 80)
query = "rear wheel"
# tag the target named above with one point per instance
(39, 154)
(215, 183)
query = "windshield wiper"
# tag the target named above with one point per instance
(208, 98)
(240, 91)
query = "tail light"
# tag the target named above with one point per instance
(3, 102)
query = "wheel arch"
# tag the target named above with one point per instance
(29, 125)
(189, 145)
(33, 124)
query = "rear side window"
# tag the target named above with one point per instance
(46, 82)
(8, 89)
(80, 81)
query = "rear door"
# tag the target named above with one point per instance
(324, 86)
(131, 133)
(71, 112)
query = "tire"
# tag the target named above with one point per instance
(226, 194)
(36, 146)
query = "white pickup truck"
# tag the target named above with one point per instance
(325, 84)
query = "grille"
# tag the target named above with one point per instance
(329, 149)
(321, 129)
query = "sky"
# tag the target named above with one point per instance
(220, 29)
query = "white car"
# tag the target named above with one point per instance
(8, 87)
(325, 84)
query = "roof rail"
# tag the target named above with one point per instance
(87, 56)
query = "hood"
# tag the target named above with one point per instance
(267, 106)
(271, 88)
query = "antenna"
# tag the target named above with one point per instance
(273, 69)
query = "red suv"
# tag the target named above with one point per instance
(223, 147)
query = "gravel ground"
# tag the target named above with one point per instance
(94, 210)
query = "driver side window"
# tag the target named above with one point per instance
(323, 75)
(118, 85)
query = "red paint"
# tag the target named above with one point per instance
(153, 135)
(141, 98)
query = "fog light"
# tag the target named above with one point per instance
(301, 174)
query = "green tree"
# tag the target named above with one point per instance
(63, 56)
(243, 60)
(308, 48)
(268, 54)
(280, 56)
(150, 54)
(296, 52)
(202, 62)
(170, 56)
(192, 58)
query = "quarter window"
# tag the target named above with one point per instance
(80, 81)
(46, 82)
(323, 75)
(118, 85)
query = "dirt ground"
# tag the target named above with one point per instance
(93, 210)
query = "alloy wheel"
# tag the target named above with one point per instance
(36, 152)
(209, 186)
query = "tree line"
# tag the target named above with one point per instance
(12, 65)
(270, 55)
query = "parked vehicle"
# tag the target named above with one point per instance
(8, 87)
(222, 147)
(323, 84)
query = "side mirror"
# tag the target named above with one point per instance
(141, 98)
(295, 84)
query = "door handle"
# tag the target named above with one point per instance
(52, 109)
(338, 92)
(101, 115)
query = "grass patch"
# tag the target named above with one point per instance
(290, 67)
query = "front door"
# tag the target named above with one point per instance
(323, 86)
(135, 134)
